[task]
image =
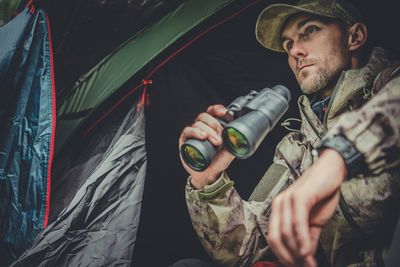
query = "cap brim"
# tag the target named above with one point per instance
(270, 22)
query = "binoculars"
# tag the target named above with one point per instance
(248, 120)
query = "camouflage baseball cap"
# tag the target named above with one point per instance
(272, 18)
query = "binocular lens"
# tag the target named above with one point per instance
(236, 142)
(193, 157)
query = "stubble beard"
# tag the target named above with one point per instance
(328, 71)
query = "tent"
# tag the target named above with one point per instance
(27, 117)
(129, 76)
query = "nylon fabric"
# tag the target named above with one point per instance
(102, 217)
(98, 84)
(26, 133)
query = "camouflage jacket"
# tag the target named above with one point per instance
(233, 231)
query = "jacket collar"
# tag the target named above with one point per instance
(354, 81)
(350, 83)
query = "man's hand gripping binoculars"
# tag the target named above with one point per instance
(248, 120)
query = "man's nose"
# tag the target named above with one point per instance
(298, 50)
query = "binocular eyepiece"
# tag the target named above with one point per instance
(248, 120)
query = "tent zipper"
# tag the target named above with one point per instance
(53, 128)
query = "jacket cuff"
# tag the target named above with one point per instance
(369, 139)
(352, 158)
(209, 192)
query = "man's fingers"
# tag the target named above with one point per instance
(217, 110)
(192, 132)
(301, 226)
(210, 121)
(274, 234)
(205, 126)
(212, 135)
(288, 236)
(315, 233)
(309, 261)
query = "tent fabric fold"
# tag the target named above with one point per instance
(98, 226)
(27, 119)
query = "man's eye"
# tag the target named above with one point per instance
(288, 45)
(310, 29)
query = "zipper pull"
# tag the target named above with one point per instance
(31, 7)
(145, 99)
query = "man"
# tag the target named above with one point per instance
(347, 151)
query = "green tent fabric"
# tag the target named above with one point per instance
(104, 79)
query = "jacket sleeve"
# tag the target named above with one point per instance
(374, 128)
(232, 231)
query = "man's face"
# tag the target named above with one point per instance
(317, 51)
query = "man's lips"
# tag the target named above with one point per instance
(303, 67)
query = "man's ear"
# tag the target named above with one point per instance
(357, 36)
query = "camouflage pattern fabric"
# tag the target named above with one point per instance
(233, 231)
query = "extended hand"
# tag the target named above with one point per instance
(300, 212)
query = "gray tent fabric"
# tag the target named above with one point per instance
(75, 164)
(104, 211)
